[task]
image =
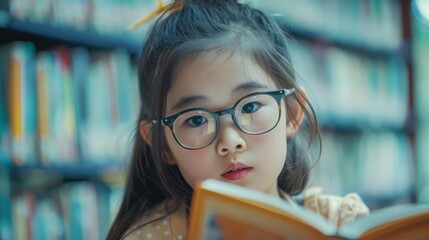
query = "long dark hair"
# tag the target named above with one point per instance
(198, 27)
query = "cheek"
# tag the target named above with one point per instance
(273, 152)
(272, 145)
(194, 165)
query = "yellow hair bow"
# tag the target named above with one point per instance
(160, 7)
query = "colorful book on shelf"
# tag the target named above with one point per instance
(222, 210)
(66, 131)
(109, 104)
(124, 86)
(47, 220)
(80, 70)
(4, 108)
(44, 61)
(56, 108)
(96, 129)
(23, 211)
(79, 205)
(5, 203)
(49, 107)
(21, 100)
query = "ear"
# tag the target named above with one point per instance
(297, 114)
(146, 132)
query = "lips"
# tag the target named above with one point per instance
(236, 171)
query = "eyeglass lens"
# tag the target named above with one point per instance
(255, 114)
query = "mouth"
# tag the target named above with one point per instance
(236, 171)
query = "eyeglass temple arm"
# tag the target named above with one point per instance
(288, 91)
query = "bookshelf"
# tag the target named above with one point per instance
(46, 35)
(355, 60)
(63, 150)
(370, 150)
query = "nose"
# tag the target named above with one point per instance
(230, 139)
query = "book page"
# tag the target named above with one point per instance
(390, 221)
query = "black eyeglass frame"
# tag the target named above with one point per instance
(277, 95)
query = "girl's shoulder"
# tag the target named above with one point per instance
(160, 223)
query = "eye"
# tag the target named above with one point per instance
(250, 107)
(196, 121)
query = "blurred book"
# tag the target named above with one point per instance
(79, 207)
(111, 106)
(23, 210)
(20, 107)
(6, 231)
(74, 210)
(47, 222)
(66, 106)
(56, 115)
(5, 135)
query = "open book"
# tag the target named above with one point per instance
(222, 210)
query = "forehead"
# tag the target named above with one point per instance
(215, 75)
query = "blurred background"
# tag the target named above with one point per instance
(68, 102)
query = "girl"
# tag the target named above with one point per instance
(219, 100)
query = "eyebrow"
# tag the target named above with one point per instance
(248, 87)
(192, 100)
(189, 100)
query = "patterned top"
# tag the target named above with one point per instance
(159, 224)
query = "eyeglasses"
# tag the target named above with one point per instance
(254, 114)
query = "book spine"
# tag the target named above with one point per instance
(79, 210)
(86, 103)
(6, 231)
(43, 120)
(15, 98)
(30, 105)
(5, 135)
(80, 73)
(22, 102)
(47, 221)
(23, 207)
(68, 121)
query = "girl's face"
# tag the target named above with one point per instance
(216, 82)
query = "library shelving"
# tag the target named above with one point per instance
(353, 58)
(47, 35)
(355, 62)
(68, 99)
